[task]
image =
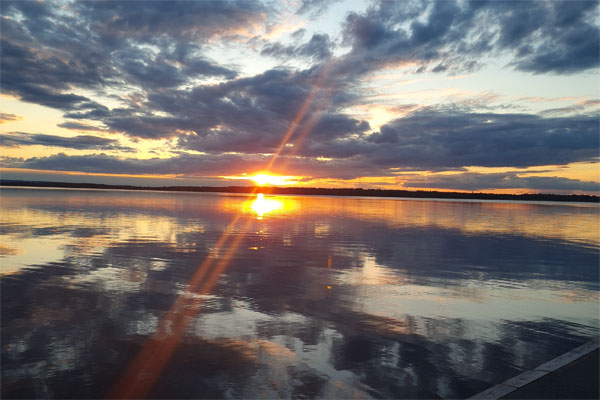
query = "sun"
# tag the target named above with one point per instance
(266, 179)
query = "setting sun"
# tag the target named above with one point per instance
(266, 179)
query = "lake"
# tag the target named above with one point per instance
(197, 295)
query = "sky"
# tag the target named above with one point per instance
(486, 96)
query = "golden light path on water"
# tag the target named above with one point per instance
(143, 371)
(263, 206)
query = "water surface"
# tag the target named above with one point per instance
(189, 295)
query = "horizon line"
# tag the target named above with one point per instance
(311, 191)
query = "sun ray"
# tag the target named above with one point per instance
(141, 374)
(300, 115)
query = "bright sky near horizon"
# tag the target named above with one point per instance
(444, 95)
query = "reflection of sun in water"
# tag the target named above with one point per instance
(264, 206)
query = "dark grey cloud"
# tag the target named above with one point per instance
(49, 52)
(42, 78)
(314, 8)
(78, 126)
(81, 142)
(219, 164)
(182, 20)
(262, 106)
(512, 180)
(340, 147)
(318, 48)
(254, 111)
(168, 68)
(439, 139)
(190, 165)
(541, 37)
(147, 126)
(570, 36)
(299, 34)
(322, 129)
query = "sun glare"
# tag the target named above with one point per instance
(266, 179)
(264, 206)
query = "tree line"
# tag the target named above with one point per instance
(360, 192)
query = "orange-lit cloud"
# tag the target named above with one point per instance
(5, 117)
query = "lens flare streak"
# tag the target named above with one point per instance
(141, 374)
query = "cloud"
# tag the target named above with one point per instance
(78, 126)
(202, 165)
(299, 34)
(49, 52)
(442, 140)
(540, 37)
(39, 81)
(340, 147)
(476, 181)
(81, 142)
(320, 130)
(153, 59)
(318, 48)
(447, 139)
(180, 20)
(570, 43)
(254, 111)
(590, 107)
(5, 117)
(191, 165)
(314, 8)
(167, 68)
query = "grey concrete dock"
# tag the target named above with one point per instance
(574, 375)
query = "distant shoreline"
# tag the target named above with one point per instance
(423, 194)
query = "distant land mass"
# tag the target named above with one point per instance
(423, 194)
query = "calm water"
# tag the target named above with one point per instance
(114, 293)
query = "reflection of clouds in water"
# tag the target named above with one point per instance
(322, 229)
(384, 291)
(362, 342)
(283, 356)
(48, 228)
(415, 307)
(143, 324)
(29, 252)
(112, 279)
(47, 244)
(9, 251)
